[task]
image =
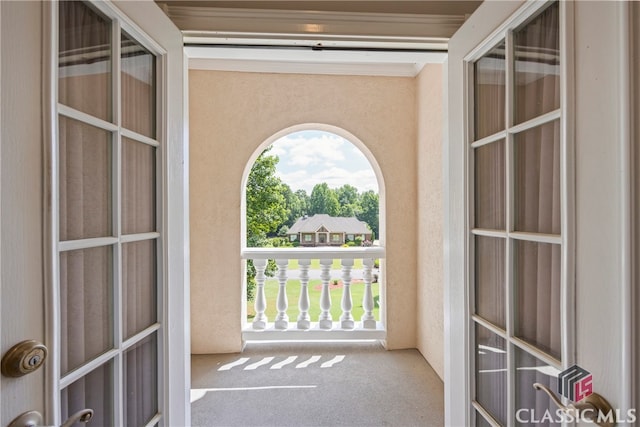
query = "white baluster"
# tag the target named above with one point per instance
(368, 321)
(304, 321)
(346, 320)
(260, 321)
(325, 321)
(282, 319)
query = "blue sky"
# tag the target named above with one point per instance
(308, 158)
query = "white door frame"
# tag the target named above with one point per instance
(145, 18)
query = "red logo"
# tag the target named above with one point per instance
(575, 383)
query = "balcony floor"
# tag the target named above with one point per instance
(315, 384)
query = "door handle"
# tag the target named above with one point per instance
(588, 408)
(83, 416)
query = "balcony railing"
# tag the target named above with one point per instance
(324, 326)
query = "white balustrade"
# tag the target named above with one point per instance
(282, 320)
(260, 321)
(368, 321)
(304, 320)
(346, 325)
(346, 320)
(325, 320)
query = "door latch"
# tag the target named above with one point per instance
(589, 408)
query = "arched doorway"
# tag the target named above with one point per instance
(325, 253)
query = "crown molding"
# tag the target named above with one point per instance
(250, 25)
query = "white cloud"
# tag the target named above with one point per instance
(300, 151)
(307, 160)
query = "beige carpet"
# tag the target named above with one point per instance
(315, 384)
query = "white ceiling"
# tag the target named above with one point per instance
(393, 38)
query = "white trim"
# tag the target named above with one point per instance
(489, 139)
(536, 237)
(314, 333)
(567, 183)
(139, 138)
(51, 221)
(128, 238)
(72, 113)
(251, 24)
(314, 253)
(86, 368)
(536, 121)
(626, 221)
(72, 245)
(230, 38)
(308, 61)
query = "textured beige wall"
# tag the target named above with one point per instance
(430, 328)
(231, 114)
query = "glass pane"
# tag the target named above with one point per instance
(489, 93)
(138, 88)
(138, 187)
(84, 70)
(141, 382)
(537, 65)
(85, 305)
(531, 405)
(85, 181)
(537, 179)
(138, 286)
(93, 391)
(489, 186)
(490, 283)
(491, 373)
(537, 282)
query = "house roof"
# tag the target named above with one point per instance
(334, 224)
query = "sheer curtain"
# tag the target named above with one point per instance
(89, 277)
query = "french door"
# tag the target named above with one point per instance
(517, 284)
(539, 212)
(107, 269)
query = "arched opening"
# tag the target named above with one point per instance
(313, 222)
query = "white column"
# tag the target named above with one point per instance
(260, 321)
(346, 320)
(368, 321)
(325, 321)
(282, 320)
(304, 321)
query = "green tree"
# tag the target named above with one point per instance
(349, 200)
(324, 200)
(266, 210)
(296, 204)
(265, 202)
(369, 202)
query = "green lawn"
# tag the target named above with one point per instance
(315, 289)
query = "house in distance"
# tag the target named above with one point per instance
(326, 230)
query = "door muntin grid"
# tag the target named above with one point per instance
(515, 244)
(107, 174)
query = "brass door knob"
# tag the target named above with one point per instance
(23, 358)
